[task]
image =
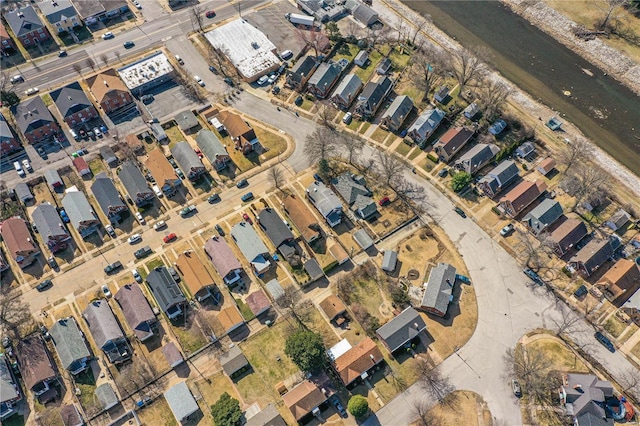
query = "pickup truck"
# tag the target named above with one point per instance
(112, 267)
(187, 211)
(143, 252)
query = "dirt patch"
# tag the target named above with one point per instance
(470, 410)
(158, 413)
(415, 252)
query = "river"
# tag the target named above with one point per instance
(607, 112)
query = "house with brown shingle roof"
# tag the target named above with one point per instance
(109, 91)
(620, 282)
(37, 368)
(137, 311)
(521, 196)
(224, 261)
(196, 277)
(449, 144)
(357, 361)
(334, 309)
(18, 240)
(302, 218)
(244, 136)
(258, 302)
(304, 399)
(163, 172)
(566, 233)
(230, 319)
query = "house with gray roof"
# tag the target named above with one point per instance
(61, 14)
(34, 120)
(425, 125)
(93, 11)
(224, 261)
(361, 12)
(595, 254)
(106, 396)
(438, 290)
(471, 111)
(23, 193)
(389, 260)
(525, 149)
(352, 189)
(70, 345)
(275, 289)
(313, 269)
(326, 201)
(166, 292)
(402, 329)
(50, 227)
(583, 396)
(618, 220)
(27, 26)
(322, 10)
(53, 179)
(108, 156)
(347, 91)
(181, 402)
(213, 149)
(186, 120)
(80, 212)
(267, 416)
(74, 106)
(135, 184)
(10, 393)
(384, 66)
(323, 79)
(397, 113)
(476, 158)
(543, 216)
(361, 58)
(363, 239)
(106, 332)
(8, 141)
(108, 198)
(273, 225)
(499, 178)
(301, 72)
(372, 96)
(233, 361)
(137, 311)
(188, 160)
(251, 246)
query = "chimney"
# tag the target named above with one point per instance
(105, 83)
(449, 282)
(415, 324)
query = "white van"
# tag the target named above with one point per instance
(286, 54)
(158, 191)
(18, 167)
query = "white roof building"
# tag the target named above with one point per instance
(246, 47)
(147, 72)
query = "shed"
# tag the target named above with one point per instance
(268, 416)
(442, 94)
(275, 289)
(363, 239)
(230, 319)
(339, 253)
(23, 192)
(158, 132)
(361, 58)
(384, 66)
(186, 121)
(172, 354)
(181, 401)
(546, 166)
(471, 111)
(108, 156)
(258, 302)
(312, 267)
(233, 361)
(71, 416)
(81, 166)
(389, 260)
(106, 396)
(618, 220)
(334, 309)
(53, 179)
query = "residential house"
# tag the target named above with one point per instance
(449, 144)
(499, 178)
(546, 166)
(110, 91)
(323, 79)
(61, 14)
(583, 397)
(135, 184)
(397, 113)
(106, 397)
(137, 311)
(402, 329)
(521, 196)
(244, 136)
(322, 10)
(543, 216)
(81, 166)
(389, 260)
(196, 277)
(8, 142)
(361, 12)
(302, 218)
(618, 220)
(163, 172)
(272, 224)
(425, 125)
(50, 227)
(106, 332)
(371, 97)
(181, 402)
(363, 239)
(27, 26)
(54, 180)
(620, 282)
(471, 110)
(258, 302)
(92, 11)
(18, 241)
(252, 247)
(213, 149)
(304, 399)
(497, 127)
(80, 212)
(187, 121)
(267, 416)
(71, 416)
(438, 290)
(594, 254)
(347, 91)
(224, 261)
(36, 367)
(108, 156)
(70, 345)
(188, 160)
(361, 58)
(525, 150)
(384, 66)
(442, 94)
(476, 158)
(35, 121)
(327, 203)
(301, 72)
(354, 192)
(108, 198)
(7, 46)
(172, 354)
(334, 309)
(566, 233)
(10, 394)
(166, 292)
(358, 361)
(73, 104)
(23, 193)
(233, 361)
(230, 319)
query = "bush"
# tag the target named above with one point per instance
(460, 181)
(525, 167)
(433, 158)
(226, 411)
(398, 295)
(358, 406)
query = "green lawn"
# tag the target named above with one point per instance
(614, 326)
(403, 149)
(96, 165)
(265, 352)
(346, 51)
(15, 420)
(354, 125)
(190, 339)
(175, 135)
(154, 263)
(364, 128)
(46, 98)
(366, 72)
(245, 310)
(399, 60)
(379, 135)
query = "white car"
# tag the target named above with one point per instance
(137, 5)
(97, 132)
(106, 291)
(16, 79)
(158, 191)
(263, 80)
(135, 238)
(31, 91)
(347, 118)
(108, 35)
(198, 80)
(273, 78)
(26, 165)
(139, 218)
(18, 167)
(136, 275)
(159, 225)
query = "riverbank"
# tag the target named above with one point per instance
(612, 61)
(521, 100)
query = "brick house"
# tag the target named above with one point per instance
(109, 91)
(6, 42)
(8, 141)
(73, 104)
(27, 26)
(60, 14)
(34, 120)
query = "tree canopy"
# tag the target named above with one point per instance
(226, 411)
(358, 406)
(306, 349)
(460, 181)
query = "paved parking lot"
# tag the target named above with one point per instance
(271, 21)
(168, 99)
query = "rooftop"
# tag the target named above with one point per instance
(332, 307)
(303, 399)
(258, 302)
(136, 309)
(221, 256)
(69, 341)
(181, 401)
(145, 70)
(196, 276)
(302, 217)
(233, 360)
(402, 328)
(439, 288)
(358, 360)
(230, 318)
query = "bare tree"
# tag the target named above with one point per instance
(467, 66)
(530, 249)
(427, 64)
(377, 35)
(411, 195)
(290, 300)
(352, 144)
(573, 152)
(493, 95)
(629, 379)
(326, 114)
(390, 168)
(117, 55)
(126, 151)
(217, 59)
(311, 39)
(276, 177)
(436, 385)
(423, 417)
(320, 145)
(90, 63)
(77, 68)
(608, 7)
(567, 322)
(197, 18)
(16, 320)
(105, 59)
(589, 179)
(418, 26)
(133, 377)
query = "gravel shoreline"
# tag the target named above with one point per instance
(535, 108)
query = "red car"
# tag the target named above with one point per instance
(384, 201)
(210, 14)
(247, 218)
(197, 151)
(170, 237)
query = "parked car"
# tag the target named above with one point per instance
(213, 69)
(210, 14)
(27, 165)
(443, 172)
(347, 118)
(263, 80)
(112, 267)
(105, 290)
(336, 403)
(187, 211)
(515, 385)
(16, 79)
(273, 78)
(64, 216)
(247, 197)
(507, 230)
(247, 218)
(19, 170)
(62, 54)
(179, 59)
(219, 230)
(146, 99)
(604, 341)
(42, 153)
(52, 262)
(74, 134)
(198, 153)
(171, 237)
(275, 90)
(460, 212)
(581, 292)
(136, 275)
(317, 177)
(199, 80)
(384, 201)
(213, 198)
(242, 183)
(143, 252)
(286, 54)
(158, 191)
(135, 238)
(179, 173)
(139, 218)
(44, 285)
(137, 4)
(108, 35)
(110, 231)
(229, 81)
(174, 274)
(128, 44)
(31, 91)
(97, 132)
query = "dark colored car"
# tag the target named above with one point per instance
(535, 277)
(242, 183)
(42, 153)
(460, 212)
(143, 252)
(44, 285)
(220, 230)
(336, 403)
(187, 211)
(111, 268)
(146, 99)
(317, 177)
(128, 44)
(63, 215)
(52, 262)
(213, 69)
(210, 14)
(246, 197)
(174, 274)
(62, 54)
(229, 82)
(580, 292)
(213, 198)
(604, 341)
(443, 172)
